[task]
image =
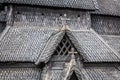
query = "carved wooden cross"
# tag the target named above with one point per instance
(64, 19)
(73, 53)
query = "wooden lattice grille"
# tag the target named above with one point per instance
(64, 46)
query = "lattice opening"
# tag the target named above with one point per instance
(64, 46)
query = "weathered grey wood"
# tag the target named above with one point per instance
(33, 33)
(50, 18)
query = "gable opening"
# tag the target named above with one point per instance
(73, 76)
(63, 47)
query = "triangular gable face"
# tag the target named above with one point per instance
(64, 46)
(62, 52)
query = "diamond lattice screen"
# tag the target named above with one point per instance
(64, 46)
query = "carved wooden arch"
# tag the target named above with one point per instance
(78, 72)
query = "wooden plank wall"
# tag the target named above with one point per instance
(50, 18)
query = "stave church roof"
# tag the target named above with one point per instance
(19, 45)
(103, 7)
(24, 49)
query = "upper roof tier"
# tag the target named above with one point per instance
(104, 7)
(79, 4)
(108, 7)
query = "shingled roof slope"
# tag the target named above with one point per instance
(82, 4)
(113, 41)
(91, 47)
(108, 7)
(23, 44)
(20, 74)
(37, 45)
(50, 47)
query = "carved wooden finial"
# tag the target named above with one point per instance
(73, 53)
(64, 22)
(63, 28)
(73, 61)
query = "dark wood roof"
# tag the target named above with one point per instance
(19, 45)
(82, 4)
(104, 7)
(108, 7)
